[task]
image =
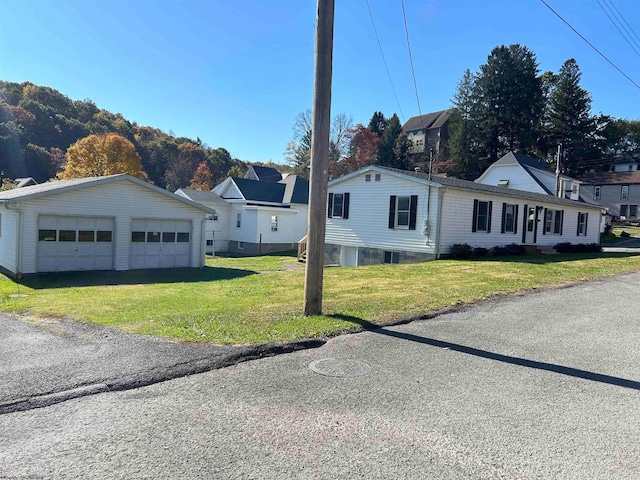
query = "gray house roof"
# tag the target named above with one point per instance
(200, 196)
(297, 189)
(59, 186)
(610, 178)
(513, 158)
(260, 191)
(427, 121)
(479, 187)
(266, 174)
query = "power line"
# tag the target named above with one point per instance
(413, 72)
(617, 23)
(591, 45)
(626, 23)
(384, 60)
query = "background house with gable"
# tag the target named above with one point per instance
(428, 132)
(384, 215)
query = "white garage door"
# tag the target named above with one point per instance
(160, 243)
(74, 243)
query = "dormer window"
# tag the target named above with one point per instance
(503, 183)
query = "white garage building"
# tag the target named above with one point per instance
(116, 222)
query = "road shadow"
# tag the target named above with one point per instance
(521, 362)
(132, 277)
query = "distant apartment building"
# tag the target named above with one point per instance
(429, 133)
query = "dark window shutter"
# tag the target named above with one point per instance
(586, 222)
(504, 217)
(544, 222)
(561, 220)
(474, 225)
(489, 218)
(515, 220)
(413, 212)
(525, 220)
(578, 225)
(330, 207)
(345, 207)
(392, 211)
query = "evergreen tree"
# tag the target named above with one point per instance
(463, 153)
(377, 123)
(392, 131)
(570, 120)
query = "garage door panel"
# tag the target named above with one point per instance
(167, 243)
(73, 243)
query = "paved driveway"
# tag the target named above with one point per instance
(542, 386)
(61, 359)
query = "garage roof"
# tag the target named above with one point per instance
(59, 186)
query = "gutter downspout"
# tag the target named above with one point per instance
(16, 208)
(439, 222)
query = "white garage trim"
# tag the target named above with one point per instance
(72, 243)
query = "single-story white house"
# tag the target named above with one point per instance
(384, 215)
(116, 222)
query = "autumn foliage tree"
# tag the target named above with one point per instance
(202, 179)
(101, 155)
(363, 151)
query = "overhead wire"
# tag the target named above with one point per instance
(375, 31)
(616, 23)
(626, 23)
(591, 44)
(413, 72)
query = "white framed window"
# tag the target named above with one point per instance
(209, 243)
(239, 220)
(597, 192)
(391, 257)
(338, 206)
(240, 245)
(481, 216)
(274, 223)
(624, 192)
(214, 217)
(623, 210)
(582, 223)
(377, 177)
(553, 222)
(633, 211)
(509, 218)
(403, 205)
(367, 177)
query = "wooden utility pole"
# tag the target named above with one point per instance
(558, 187)
(317, 222)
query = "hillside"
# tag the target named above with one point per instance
(38, 124)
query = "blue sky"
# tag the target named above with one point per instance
(236, 73)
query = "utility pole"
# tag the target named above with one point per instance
(558, 189)
(317, 222)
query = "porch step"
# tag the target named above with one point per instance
(303, 258)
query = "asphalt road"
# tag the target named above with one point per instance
(538, 386)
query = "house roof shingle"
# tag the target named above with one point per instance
(467, 185)
(296, 191)
(200, 196)
(427, 121)
(260, 191)
(266, 174)
(59, 186)
(610, 178)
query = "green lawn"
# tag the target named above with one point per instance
(230, 302)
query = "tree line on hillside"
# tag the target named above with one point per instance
(38, 125)
(508, 105)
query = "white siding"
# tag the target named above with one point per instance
(8, 229)
(457, 220)
(367, 225)
(123, 200)
(518, 178)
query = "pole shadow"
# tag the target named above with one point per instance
(522, 362)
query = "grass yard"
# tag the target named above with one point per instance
(255, 300)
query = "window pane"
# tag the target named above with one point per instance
(338, 200)
(47, 235)
(183, 237)
(136, 237)
(168, 237)
(633, 211)
(67, 236)
(86, 236)
(403, 219)
(481, 224)
(105, 236)
(153, 237)
(558, 222)
(403, 203)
